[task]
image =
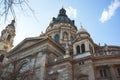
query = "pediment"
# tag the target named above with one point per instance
(26, 43)
(30, 43)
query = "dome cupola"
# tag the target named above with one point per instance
(62, 12)
(83, 32)
(62, 18)
(62, 29)
(82, 29)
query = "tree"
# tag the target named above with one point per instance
(11, 71)
(8, 7)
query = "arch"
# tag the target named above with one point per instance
(21, 64)
(8, 37)
(78, 49)
(83, 48)
(71, 39)
(1, 57)
(65, 36)
(56, 38)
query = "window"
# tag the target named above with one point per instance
(78, 49)
(25, 67)
(56, 37)
(1, 57)
(83, 48)
(65, 36)
(103, 72)
(82, 62)
(9, 37)
(118, 70)
(71, 39)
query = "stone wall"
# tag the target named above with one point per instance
(61, 71)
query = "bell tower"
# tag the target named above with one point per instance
(7, 37)
(83, 42)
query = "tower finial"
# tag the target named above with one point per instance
(13, 21)
(62, 12)
(81, 25)
(62, 6)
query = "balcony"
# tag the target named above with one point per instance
(110, 53)
(86, 54)
(52, 60)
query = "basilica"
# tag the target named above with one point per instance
(63, 52)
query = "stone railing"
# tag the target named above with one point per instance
(107, 53)
(78, 56)
(52, 60)
(82, 55)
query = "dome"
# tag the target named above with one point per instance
(62, 18)
(83, 31)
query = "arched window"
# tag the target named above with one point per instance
(71, 39)
(56, 37)
(83, 48)
(1, 57)
(65, 36)
(78, 49)
(24, 66)
(9, 37)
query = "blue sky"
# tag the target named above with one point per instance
(101, 18)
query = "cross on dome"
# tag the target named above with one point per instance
(81, 28)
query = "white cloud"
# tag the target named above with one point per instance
(71, 12)
(107, 14)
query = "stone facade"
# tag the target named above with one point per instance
(61, 53)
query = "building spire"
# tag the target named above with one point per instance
(62, 12)
(81, 25)
(62, 6)
(12, 23)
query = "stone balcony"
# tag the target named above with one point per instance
(83, 55)
(110, 53)
(65, 57)
(52, 60)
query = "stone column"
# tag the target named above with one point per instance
(112, 72)
(87, 46)
(70, 72)
(67, 50)
(91, 71)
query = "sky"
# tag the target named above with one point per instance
(101, 18)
